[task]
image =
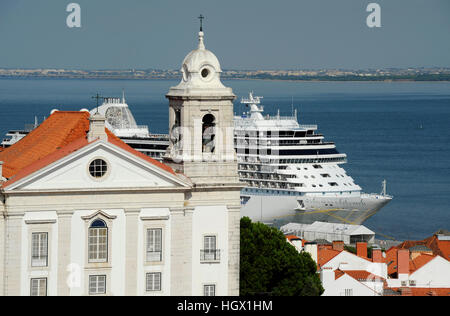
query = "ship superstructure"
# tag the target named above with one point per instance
(290, 170)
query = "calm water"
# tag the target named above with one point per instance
(394, 131)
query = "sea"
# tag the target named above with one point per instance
(398, 131)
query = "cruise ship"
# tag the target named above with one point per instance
(291, 173)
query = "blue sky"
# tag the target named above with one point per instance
(244, 34)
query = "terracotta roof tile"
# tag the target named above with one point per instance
(59, 135)
(419, 262)
(359, 275)
(324, 255)
(292, 237)
(57, 131)
(414, 291)
(438, 247)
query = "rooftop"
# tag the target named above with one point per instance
(62, 133)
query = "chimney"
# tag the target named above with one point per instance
(311, 248)
(97, 128)
(361, 249)
(1, 171)
(338, 245)
(403, 261)
(377, 256)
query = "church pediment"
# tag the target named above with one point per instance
(99, 165)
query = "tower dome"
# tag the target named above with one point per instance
(200, 71)
(200, 59)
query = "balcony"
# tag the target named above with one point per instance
(210, 256)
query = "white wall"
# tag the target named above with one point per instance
(337, 287)
(210, 220)
(349, 261)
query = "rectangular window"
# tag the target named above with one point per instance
(348, 292)
(39, 249)
(153, 282)
(209, 290)
(97, 284)
(38, 287)
(154, 245)
(98, 244)
(210, 252)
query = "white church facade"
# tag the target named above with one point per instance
(82, 213)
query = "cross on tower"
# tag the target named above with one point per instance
(201, 17)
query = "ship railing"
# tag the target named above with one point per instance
(376, 195)
(310, 126)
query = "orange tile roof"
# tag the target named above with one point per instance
(57, 131)
(324, 255)
(419, 262)
(414, 291)
(359, 275)
(292, 237)
(438, 247)
(58, 136)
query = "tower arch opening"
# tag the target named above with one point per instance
(208, 133)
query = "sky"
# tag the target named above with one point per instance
(244, 34)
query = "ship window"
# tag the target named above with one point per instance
(333, 184)
(208, 132)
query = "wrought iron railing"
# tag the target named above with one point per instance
(209, 255)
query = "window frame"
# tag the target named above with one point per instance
(97, 276)
(40, 257)
(39, 280)
(155, 245)
(98, 244)
(209, 254)
(205, 286)
(151, 290)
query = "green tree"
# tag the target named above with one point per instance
(269, 265)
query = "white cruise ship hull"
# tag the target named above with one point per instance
(280, 209)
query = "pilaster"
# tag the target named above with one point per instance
(181, 252)
(131, 251)
(234, 220)
(13, 254)
(64, 251)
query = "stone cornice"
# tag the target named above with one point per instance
(154, 218)
(98, 191)
(40, 221)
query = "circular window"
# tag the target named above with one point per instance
(205, 73)
(98, 168)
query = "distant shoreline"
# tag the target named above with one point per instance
(432, 74)
(224, 78)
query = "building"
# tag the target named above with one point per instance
(420, 268)
(85, 214)
(348, 233)
(412, 268)
(346, 274)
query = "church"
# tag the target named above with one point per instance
(82, 213)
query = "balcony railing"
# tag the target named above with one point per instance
(210, 255)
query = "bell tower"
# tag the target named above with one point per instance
(201, 121)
